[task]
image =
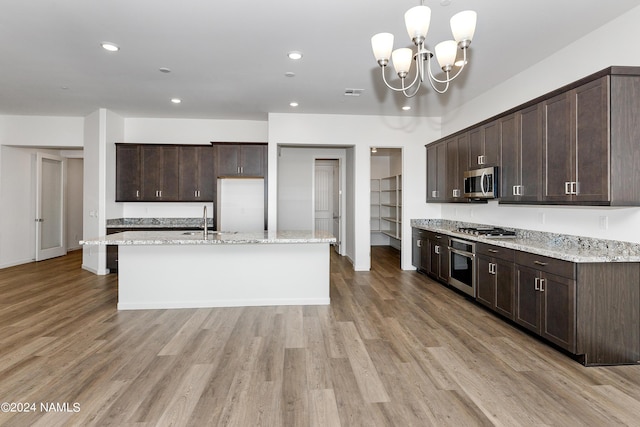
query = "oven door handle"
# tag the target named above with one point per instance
(463, 253)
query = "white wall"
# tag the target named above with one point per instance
(19, 137)
(612, 44)
(295, 184)
(363, 132)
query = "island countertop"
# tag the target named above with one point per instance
(181, 237)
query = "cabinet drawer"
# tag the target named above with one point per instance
(550, 265)
(495, 251)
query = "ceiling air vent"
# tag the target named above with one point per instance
(352, 92)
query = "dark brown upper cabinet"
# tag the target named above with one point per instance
(197, 176)
(128, 173)
(436, 172)
(457, 164)
(576, 145)
(521, 153)
(164, 173)
(159, 173)
(241, 159)
(484, 145)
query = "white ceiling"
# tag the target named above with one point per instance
(228, 59)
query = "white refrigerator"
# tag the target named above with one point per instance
(240, 204)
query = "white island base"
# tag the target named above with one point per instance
(227, 275)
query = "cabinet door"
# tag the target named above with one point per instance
(527, 311)
(592, 141)
(492, 138)
(196, 173)
(510, 154)
(558, 148)
(529, 128)
(127, 173)
(457, 163)
(188, 173)
(253, 160)
(463, 164)
(443, 263)
(505, 287)
(159, 173)
(436, 163)
(558, 320)
(485, 282)
(227, 159)
(476, 147)
(416, 248)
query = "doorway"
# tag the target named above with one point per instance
(327, 214)
(386, 197)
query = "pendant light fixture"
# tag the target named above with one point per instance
(417, 20)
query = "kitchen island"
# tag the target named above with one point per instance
(178, 269)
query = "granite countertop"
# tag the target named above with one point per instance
(560, 246)
(171, 237)
(158, 222)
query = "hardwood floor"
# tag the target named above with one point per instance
(393, 349)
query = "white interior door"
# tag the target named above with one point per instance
(337, 206)
(323, 195)
(50, 230)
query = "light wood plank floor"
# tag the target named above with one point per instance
(393, 349)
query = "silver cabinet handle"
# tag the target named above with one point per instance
(536, 284)
(542, 285)
(567, 187)
(574, 187)
(456, 193)
(481, 159)
(541, 263)
(493, 251)
(137, 193)
(419, 243)
(436, 249)
(515, 190)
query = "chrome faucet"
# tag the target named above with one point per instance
(204, 222)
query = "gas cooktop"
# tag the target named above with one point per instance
(496, 232)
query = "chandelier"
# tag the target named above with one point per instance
(417, 20)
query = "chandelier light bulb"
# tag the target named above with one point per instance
(382, 45)
(402, 61)
(446, 54)
(463, 26)
(417, 20)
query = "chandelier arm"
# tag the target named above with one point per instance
(384, 78)
(449, 79)
(433, 80)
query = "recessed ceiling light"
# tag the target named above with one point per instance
(176, 100)
(164, 70)
(293, 104)
(290, 74)
(406, 108)
(295, 55)
(111, 47)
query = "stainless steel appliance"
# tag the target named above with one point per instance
(481, 183)
(462, 270)
(491, 232)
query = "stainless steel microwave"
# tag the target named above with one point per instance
(481, 183)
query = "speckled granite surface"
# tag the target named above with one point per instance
(157, 222)
(561, 246)
(171, 237)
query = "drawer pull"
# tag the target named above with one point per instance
(541, 263)
(493, 251)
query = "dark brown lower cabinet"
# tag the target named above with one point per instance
(495, 284)
(591, 310)
(546, 304)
